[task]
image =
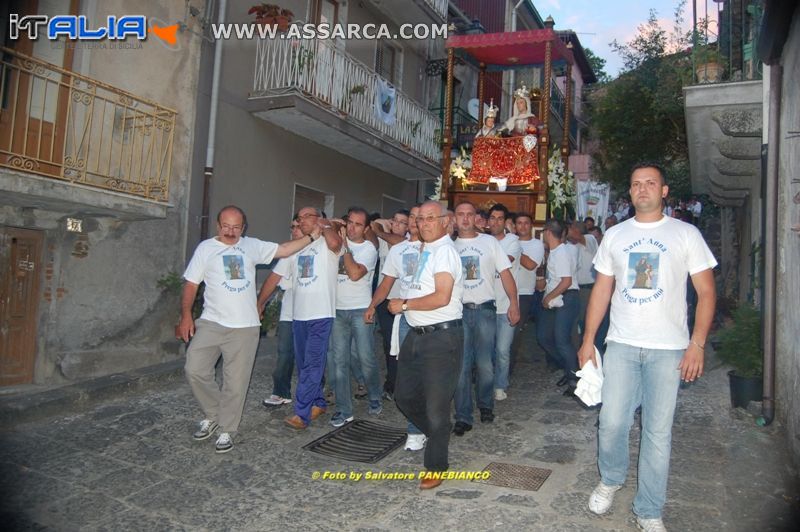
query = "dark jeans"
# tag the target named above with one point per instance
(385, 321)
(554, 334)
(282, 376)
(427, 374)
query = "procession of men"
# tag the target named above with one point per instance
(451, 310)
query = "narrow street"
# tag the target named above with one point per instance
(130, 464)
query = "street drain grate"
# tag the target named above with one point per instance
(515, 476)
(359, 441)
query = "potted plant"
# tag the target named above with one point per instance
(269, 14)
(709, 64)
(740, 347)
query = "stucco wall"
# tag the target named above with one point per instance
(788, 290)
(103, 312)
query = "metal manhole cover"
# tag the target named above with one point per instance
(359, 441)
(515, 476)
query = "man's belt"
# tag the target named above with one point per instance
(586, 285)
(426, 329)
(485, 305)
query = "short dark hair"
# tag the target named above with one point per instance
(500, 207)
(651, 164)
(596, 229)
(465, 202)
(404, 212)
(232, 208)
(374, 216)
(358, 210)
(519, 215)
(587, 219)
(480, 212)
(556, 227)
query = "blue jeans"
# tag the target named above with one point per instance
(284, 366)
(479, 339)
(349, 325)
(636, 376)
(502, 351)
(554, 334)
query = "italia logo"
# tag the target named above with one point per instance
(78, 28)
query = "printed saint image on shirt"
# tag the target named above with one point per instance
(305, 264)
(421, 266)
(472, 267)
(410, 261)
(234, 266)
(342, 269)
(643, 271)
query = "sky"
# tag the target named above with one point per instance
(597, 23)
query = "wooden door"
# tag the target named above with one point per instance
(20, 266)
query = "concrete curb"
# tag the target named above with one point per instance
(31, 406)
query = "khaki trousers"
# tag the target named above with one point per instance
(238, 350)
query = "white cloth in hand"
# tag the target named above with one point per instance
(590, 385)
(394, 347)
(556, 302)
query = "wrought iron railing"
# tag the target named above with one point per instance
(63, 125)
(440, 6)
(335, 79)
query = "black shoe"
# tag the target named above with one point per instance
(486, 415)
(570, 391)
(460, 428)
(562, 381)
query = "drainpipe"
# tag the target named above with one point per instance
(771, 243)
(208, 173)
(513, 76)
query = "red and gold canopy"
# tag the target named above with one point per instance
(512, 49)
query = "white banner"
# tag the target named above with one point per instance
(385, 102)
(592, 200)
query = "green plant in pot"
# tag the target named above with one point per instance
(740, 347)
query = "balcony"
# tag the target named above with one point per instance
(412, 11)
(320, 92)
(69, 139)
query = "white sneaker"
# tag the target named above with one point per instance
(224, 443)
(651, 525)
(206, 429)
(500, 395)
(416, 442)
(276, 400)
(601, 498)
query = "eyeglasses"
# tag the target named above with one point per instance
(430, 219)
(234, 228)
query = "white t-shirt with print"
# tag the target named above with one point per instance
(383, 252)
(401, 263)
(561, 263)
(585, 257)
(511, 247)
(481, 259)
(314, 270)
(229, 272)
(650, 263)
(526, 279)
(352, 295)
(436, 257)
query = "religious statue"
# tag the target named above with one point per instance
(522, 122)
(489, 129)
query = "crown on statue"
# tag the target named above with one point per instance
(492, 111)
(522, 92)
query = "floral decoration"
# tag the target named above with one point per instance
(560, 188)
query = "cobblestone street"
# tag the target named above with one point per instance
(129, 463)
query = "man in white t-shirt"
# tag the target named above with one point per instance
(313, 272)
(398, 227)
(284, 365)
(430, 357)
(507, 312)
(353, 296)
(229, 325)
(697, 210)
(532, 257)
(560, 302)
(481, 258)
(586, 246)
(642, 267)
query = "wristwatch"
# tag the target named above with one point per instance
(346, 250)
(405, 305)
